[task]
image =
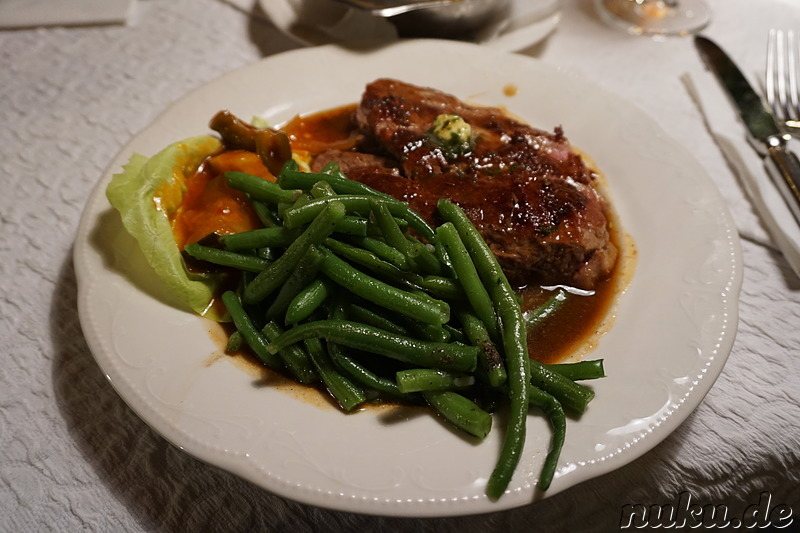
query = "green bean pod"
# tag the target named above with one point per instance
(304, 274)
(307, 301)
(468, 277)
(555, 414)
(491, 362)
(460, 411)
(259, 238)
(536, 316)
(580, 370)
(294, 357)
(225, 258)
(572, 396)
(279, 271)
(424, 309)
(252, 336)
(346, 394)
(444, 356)
(299, 215)
(427, 379)
(514, 343)
(292, 178)
(259, 188)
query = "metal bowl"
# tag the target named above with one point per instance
(452, 19)
(458, 19)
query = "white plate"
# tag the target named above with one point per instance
(315, 22)
(674, 327)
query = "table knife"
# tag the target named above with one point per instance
(765, 135)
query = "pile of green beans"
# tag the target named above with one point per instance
(347, 288)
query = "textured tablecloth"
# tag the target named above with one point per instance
(74, 457)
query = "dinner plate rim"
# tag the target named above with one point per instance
(326, 496)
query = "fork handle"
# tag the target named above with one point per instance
(784, 168)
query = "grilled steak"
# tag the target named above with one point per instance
(529, 194)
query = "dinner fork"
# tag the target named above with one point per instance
(783, 78)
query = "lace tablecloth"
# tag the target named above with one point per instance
(74, 457)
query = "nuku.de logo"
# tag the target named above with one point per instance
(685, 513)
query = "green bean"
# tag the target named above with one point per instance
(266, 253)
(580, 370)
(235, 341)
(469, 279)
(423, 309)
(351, 225)
(514, 343)
(259, 188)
(265, 214)
(383, 251)
(304, 274)
(352, 368)
(297, 216)
(321, 189)
(307, 301)
(444, 356)
(441, 254)
(226, 258)
(279, 271)
(292, 178)
(555, 414)
(438, 286)
(426, 379)
(572, 396)
(426, 261)
(365, 258)
(536, 316)
(456, 335)
(516, 352)
(259, 238)
(346, 394)
(295, 359)
(491, 361)
(244, 325)
(359, 313)
(333, 170)
(461, 412)
(389, 229)
(359, 373)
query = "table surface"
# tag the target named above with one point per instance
(73, 456)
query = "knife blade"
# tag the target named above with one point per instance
(764, 133)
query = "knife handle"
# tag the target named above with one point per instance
(784, 167)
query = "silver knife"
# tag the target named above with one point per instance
(765, 134)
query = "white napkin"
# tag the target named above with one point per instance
(723, 122)
(29, 13)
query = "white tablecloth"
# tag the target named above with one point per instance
(74, 457)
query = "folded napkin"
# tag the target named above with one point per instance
(730, 134)
(30, 13)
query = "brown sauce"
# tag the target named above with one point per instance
(578, 323)
(570, 333)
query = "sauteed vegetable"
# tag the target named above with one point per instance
(327, 308)
(347, 287)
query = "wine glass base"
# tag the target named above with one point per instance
(655, 17)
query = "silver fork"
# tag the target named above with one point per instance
(782, 81)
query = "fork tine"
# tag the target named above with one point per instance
(773, 77)
(793, 67)
(782, 79)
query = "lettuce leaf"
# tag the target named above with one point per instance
(147, 193)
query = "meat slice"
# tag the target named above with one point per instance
(528, 193)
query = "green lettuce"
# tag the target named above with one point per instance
(147, 193)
